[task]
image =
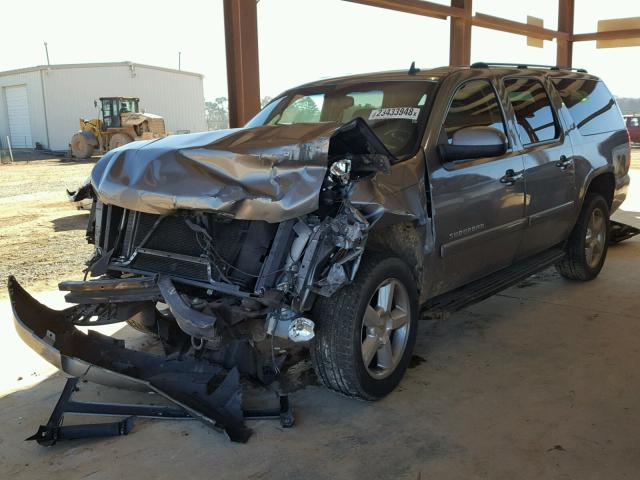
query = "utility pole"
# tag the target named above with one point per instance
(179, 60)
(46, 49)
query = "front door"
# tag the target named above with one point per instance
(478, 204)
(549, 173)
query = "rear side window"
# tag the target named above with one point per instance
(591, 105)
(474, 105)
(536, 121)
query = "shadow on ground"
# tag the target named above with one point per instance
(73, 222)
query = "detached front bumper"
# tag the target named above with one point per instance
(205, 390)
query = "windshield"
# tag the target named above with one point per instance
(394, 110)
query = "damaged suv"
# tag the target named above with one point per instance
(340, 214)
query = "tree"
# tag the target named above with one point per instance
(629, 105)
(217, 113)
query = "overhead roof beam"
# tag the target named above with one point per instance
(416, 7)
(510, 26)
(611, 35)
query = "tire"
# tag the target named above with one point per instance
(119, 139)
(150, 328)
(588, 243)
(145, 319)
(341, 332)
(80, 146)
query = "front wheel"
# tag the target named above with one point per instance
(588, 242)
(81, 147)
(365, 332)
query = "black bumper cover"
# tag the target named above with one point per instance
(206, 391)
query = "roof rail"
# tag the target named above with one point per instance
(523, 66)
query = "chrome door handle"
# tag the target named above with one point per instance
(564, 162)
(511, 177)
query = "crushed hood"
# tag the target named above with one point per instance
(270, 173)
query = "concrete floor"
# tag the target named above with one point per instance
(539, 382)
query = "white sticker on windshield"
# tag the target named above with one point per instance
(408, 113)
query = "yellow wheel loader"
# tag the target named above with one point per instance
(121, 123)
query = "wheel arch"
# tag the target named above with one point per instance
(403, 240)
(603, 183)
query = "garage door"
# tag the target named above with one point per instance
(18, 113)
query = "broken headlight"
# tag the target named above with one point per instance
(340, 170)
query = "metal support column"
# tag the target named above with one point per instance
(243, 76)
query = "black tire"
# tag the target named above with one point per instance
(143, 327)
(145, 320)
(337, 349)
(576, 265)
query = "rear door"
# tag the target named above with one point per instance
(549, 169)
(478, 211)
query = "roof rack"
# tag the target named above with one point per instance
(524, 66)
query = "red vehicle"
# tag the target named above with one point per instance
(633, 126)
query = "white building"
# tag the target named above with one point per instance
(43, 104)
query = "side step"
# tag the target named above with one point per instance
(479, 290)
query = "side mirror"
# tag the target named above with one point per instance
(471, 143)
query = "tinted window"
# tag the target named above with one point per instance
(474, 105)
(534, 114)
(591, 105)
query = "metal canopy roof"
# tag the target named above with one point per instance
(241, 38)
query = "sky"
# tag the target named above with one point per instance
(299, 40)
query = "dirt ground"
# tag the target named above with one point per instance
(538, 382)
(41, 233)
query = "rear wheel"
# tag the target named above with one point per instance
(119, 139)
(366, 331)
(587, 246)
(81, 147)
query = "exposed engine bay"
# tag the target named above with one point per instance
(220, 280)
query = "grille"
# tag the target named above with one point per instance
(157, 244)
(171, 266)
(172, 235)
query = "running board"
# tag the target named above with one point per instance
(474, 292)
